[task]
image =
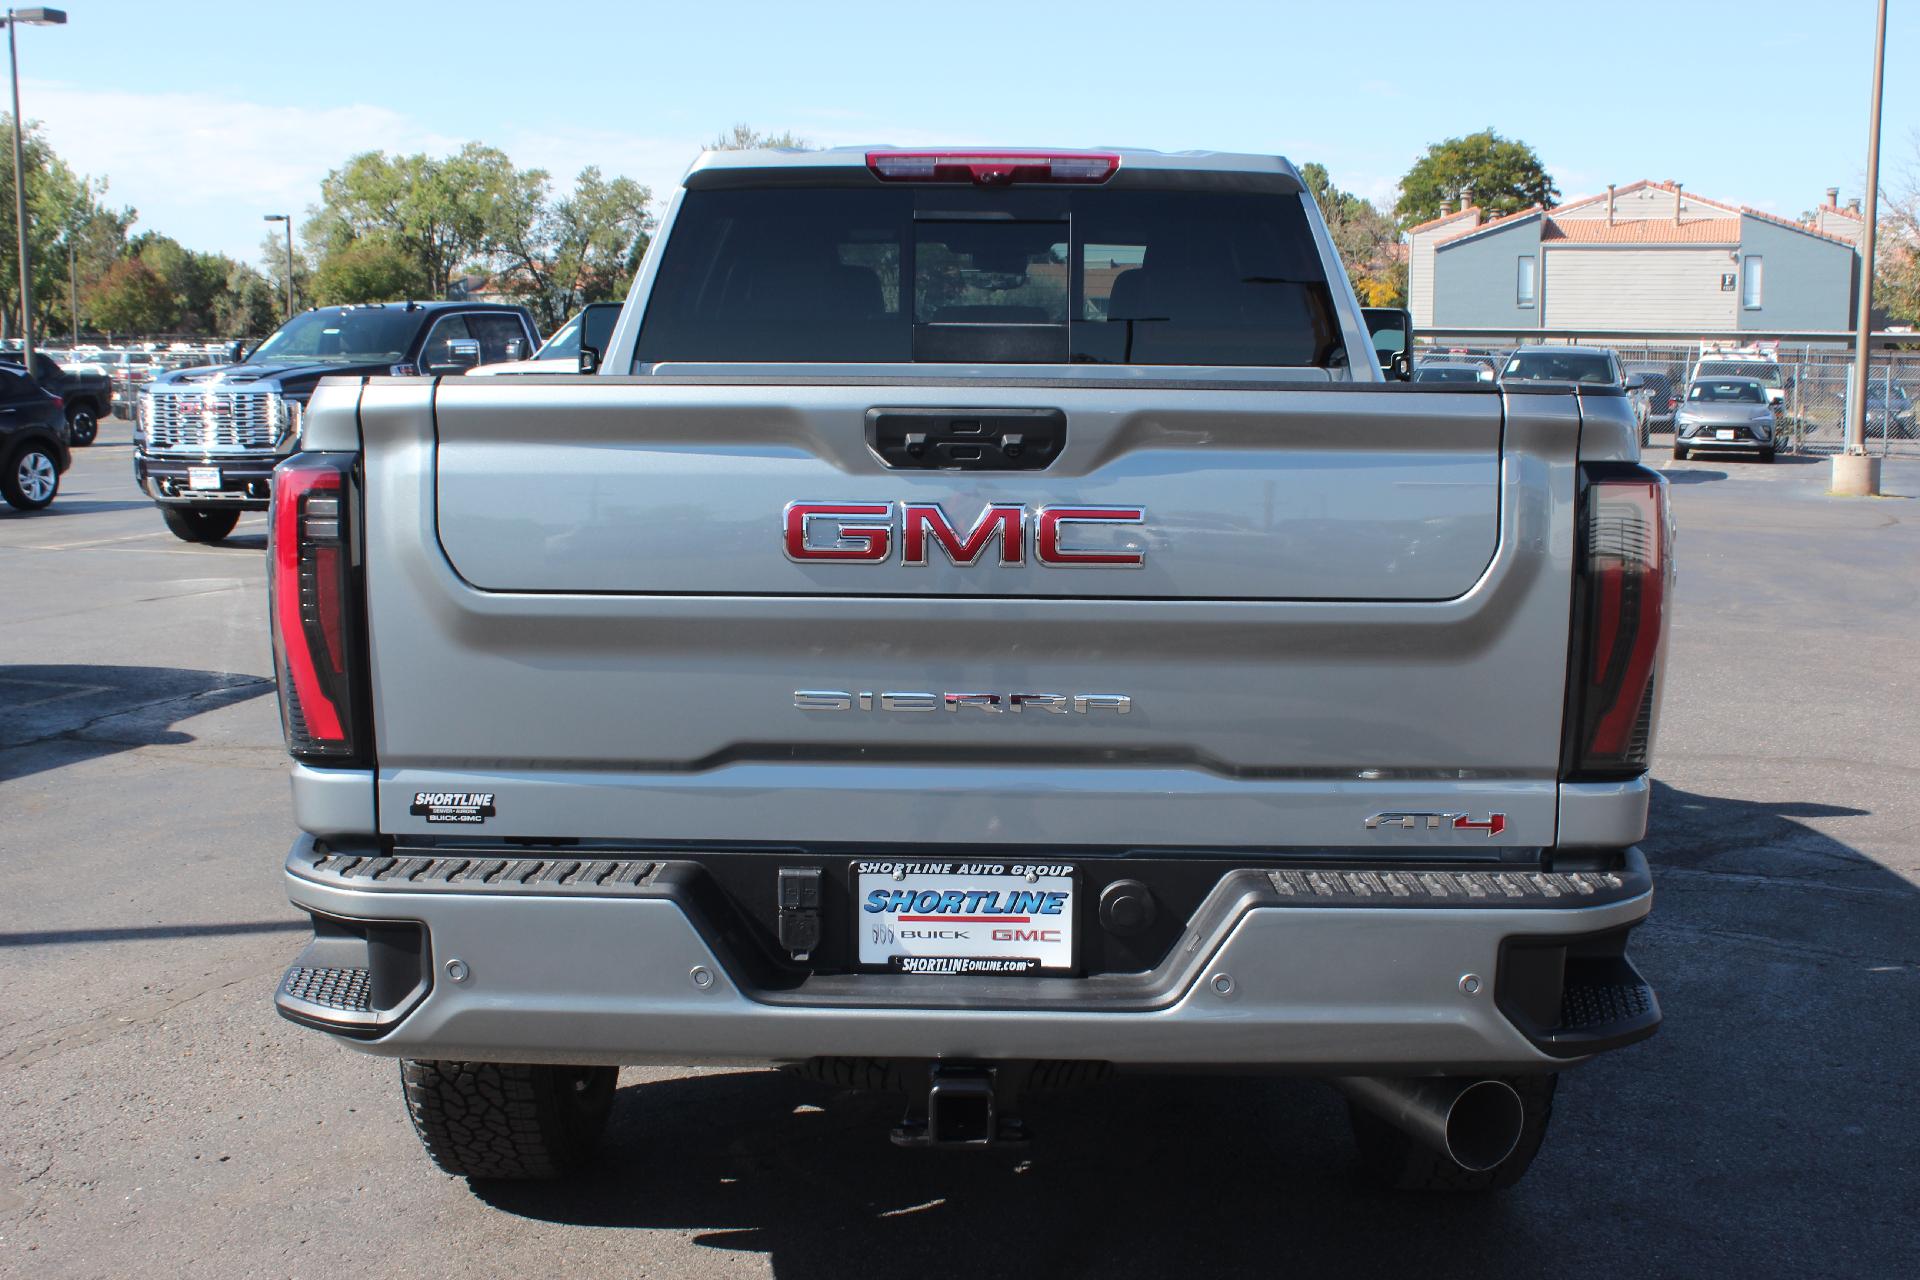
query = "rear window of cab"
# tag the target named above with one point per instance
(1014, 275)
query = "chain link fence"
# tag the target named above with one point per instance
(1810, 384)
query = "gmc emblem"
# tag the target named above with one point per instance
(866, 533)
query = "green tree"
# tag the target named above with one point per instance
(132, 298)
(196, 280)
(1501, 175)
(369, 270)
(744, 137)
(558, 255)
(1365, 237)
(438, 212)
(59, 203)
(249, 306)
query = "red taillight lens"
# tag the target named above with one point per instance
(313, 603)
(991, 168)
(1620, 621)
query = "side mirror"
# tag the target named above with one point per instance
(237, 352)
(462, 354)
(1636, 381)
(516, 349)
(589, 359)
(1391, 329)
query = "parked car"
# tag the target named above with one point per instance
(592, 325)
(1889, 412)
(1449, 371)
(33, 449)
(1586, 366)
(208, 437)
(130, 372)
(1730, 414)
(1763, 366)
(1663, 392)
(975, 685)
(88, 396)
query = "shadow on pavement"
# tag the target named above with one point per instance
(1691, 475)
(54, 715)
(1767, 1130)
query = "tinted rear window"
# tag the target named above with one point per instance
(1029, 275)
(1554, 366)
(1446, 374)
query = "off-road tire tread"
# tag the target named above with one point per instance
(1391, 1159)
(506, 1120)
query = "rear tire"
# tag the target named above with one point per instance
(189, 525)
(1391, 1159)
(84, 426)
(507, 1120)
(31, 478)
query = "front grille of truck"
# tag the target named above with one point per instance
(211, 421)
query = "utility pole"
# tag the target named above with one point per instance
(35, 18)
(288, 219)
(1854, 473)
(73, 288)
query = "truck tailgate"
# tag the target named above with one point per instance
(1349, 600)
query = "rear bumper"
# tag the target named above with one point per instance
(246, 481)
(640, 970)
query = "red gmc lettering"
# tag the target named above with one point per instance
(1026, 935)
(869, 524)
(1047, 531)
(863, 533)
(918, 519)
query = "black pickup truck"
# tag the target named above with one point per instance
(88, 396)
(207, 438)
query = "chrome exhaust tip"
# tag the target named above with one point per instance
(1476, 1124)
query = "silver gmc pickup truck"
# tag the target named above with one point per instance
(985, 624)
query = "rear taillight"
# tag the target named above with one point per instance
(314, 600)
(992, 168)
(1619, 621)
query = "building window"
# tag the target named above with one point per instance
(1526, 281)
(1750, 274)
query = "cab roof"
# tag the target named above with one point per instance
(1136, 167)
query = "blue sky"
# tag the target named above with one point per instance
(206, 114)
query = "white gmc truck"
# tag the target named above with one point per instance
(985, 623)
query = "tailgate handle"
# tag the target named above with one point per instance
(966, 439)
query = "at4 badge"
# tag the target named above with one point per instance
(1493, 824)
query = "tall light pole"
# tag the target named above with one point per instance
(34, 18)
(286, 218)
(73, 289)
(1855, 474)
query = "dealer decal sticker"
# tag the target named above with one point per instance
(472, 807)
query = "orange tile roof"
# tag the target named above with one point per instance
(1643, 231)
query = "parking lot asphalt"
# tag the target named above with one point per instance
(157, 1117)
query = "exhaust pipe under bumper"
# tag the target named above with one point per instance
(1474, 1123)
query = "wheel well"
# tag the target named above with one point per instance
(38, 435)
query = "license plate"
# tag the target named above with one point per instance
(1724, 433)
(990, 917)
(203, 477)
